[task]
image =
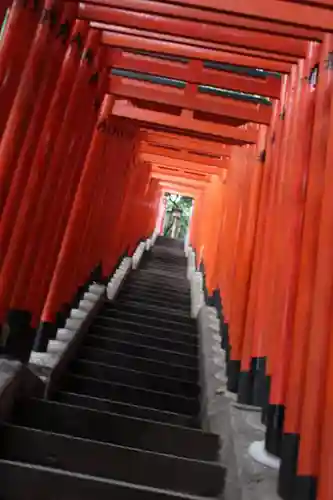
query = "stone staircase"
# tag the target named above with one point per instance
(125, 422)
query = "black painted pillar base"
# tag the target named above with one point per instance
(217, 302)
(46, 331)
(63, 314)
(274, 431)
(210, 300)
(288, 468)
(17, 335)
(224, 335)
(261, 382)
(233, 373)
(245, 387)
(205, 292)
(81, 290)
(96, 273)
(104, 280)
(306, 488)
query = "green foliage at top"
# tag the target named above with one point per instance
(3, 26)
(182, 204)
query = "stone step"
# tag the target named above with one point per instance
(160, 283)
(151, 297)
(136, 378)
(117, 429)
(143, 351)
(186, 326)
(129, 410)
(100, 338)
(110, 461)
(150, 310)
(150, 330)
(147, 285)
(114, 358)
(132, 394)
(119, 332)
(47, 483)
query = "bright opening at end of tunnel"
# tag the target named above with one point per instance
(177, 215)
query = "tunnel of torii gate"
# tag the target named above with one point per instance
(106, 105)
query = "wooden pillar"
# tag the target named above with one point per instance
(325, 463)
(317, 360)
(265, 291)
(249, 365)
(68, 254)
(288, 227)
(19, 320)
(56, 183)
(22, 171)
(243, 275)
(5, 5)
(23, 105)
(316, 139)
(17, 38)
(80, 118)
(104, 218)
(135, 188)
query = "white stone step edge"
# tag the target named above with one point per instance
(197, 295)
(259, 453)
(118, 278)
(154, 237)
(137, 255)
(127, 264)
(78, 314)
(86, 305)
(190, 263)
(64, 336)
(97, 289)
(73, 324)
(91, 297)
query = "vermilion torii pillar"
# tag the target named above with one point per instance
(69, 251)
(18, 35)
(53, 232)
(48, 213)
(22, 170)
(18, 325)
(3, 10)
(23, 105)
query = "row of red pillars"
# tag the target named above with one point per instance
(74, 196)
(265, 237)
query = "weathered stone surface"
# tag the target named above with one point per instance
(237, 427)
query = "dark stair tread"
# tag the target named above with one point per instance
(151, 293)
(124, 422)
(101, 338)
(153, 365)
(160, 282)
(139, 412)
(150, 352)
(152, 300)
(129, 377)
(117, 429)
(143, 328)
(186, 325)
(18, 480)
(110, 461)
(151, 310)
(156, 292)
(130, 394)
(105, 331)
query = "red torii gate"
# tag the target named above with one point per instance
(208, 99)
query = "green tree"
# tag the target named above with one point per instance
(182, 204)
